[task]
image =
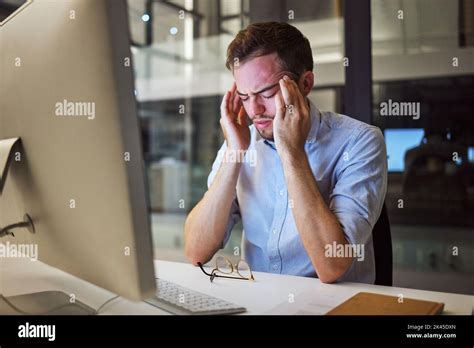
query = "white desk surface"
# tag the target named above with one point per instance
(268, 294)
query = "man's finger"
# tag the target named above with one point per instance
(225, 105)
(242, 117)
(294, 94)
(279, 106)
(299, 96)
(299, 100)
(287, 97)
(236, 103)
(302, 103)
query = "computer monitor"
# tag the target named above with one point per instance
(470, 154)
(67, 90)
(398, 142)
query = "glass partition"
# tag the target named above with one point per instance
(423, 75)
(179, 59)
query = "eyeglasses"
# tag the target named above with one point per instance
(224, 267)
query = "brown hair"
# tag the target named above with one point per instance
(259, 39)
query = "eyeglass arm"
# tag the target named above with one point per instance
(202, 269)
(215, 275)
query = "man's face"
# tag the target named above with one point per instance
(257, 85)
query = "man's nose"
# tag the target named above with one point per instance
(255, 107)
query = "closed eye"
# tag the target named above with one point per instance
(269, 97)
(245, 98)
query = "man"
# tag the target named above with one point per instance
(316, 189)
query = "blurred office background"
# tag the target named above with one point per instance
(421, 51)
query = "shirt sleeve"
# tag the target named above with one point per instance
(234, 214)
(358, 196)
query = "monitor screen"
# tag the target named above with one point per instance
(470, 154)
(399, 141)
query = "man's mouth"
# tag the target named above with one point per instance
(263, 123)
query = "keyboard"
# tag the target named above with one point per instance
(177, 299)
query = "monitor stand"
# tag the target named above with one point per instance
(37, 303)
(43, 303)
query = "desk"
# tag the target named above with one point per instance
(21, 275)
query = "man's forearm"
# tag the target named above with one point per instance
(205, 225)
(316, 224)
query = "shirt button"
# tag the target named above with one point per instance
(282, 192)
(274, 231)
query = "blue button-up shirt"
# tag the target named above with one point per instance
(349, 163)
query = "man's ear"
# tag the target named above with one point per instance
(306, 82)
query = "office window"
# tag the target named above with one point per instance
(422, 99)
(178, 51)
(398, 142)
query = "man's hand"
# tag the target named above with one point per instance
(317, 225)
(292, 121)
(206, 224)
(234, 122)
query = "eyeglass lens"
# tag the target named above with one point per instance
(224, 265)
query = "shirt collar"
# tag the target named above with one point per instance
(315, 115)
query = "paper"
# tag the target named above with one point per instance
(308, 303)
